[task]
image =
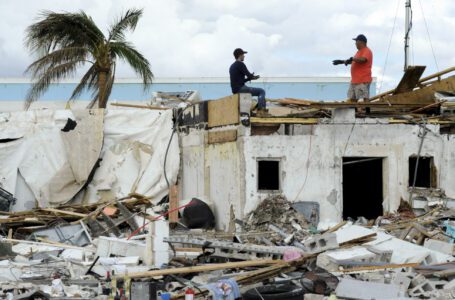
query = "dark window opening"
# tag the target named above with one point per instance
(269, 175)
(362, 187)
(426, 172)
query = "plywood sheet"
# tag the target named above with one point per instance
(224, 111)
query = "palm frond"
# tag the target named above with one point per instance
(127, 22)
(62, 30)
(88, 82)
(52, 74)
(57, 57)
(135, 59)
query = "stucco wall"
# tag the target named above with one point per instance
(232, 167)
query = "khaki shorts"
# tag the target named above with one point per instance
(359, 91)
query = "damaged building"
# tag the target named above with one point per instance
(320, 154)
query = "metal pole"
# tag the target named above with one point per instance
(407, 32)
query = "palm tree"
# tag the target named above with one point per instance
(67, 41)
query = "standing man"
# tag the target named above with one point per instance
(240, 75)
(361, 64)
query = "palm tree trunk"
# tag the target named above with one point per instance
(102, 89)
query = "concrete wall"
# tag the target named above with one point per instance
(213, 173)
(315, 152)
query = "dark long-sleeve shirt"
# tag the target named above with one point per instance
(239, 75)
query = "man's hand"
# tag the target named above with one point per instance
(348, 61)
(256, 77)
(338, 62)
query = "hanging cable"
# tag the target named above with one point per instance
(429, 37)
(388, 47)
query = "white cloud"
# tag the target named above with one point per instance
(290, 37)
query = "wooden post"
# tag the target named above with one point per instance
(173, 204)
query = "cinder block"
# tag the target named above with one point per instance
(402, 280)
(440, 246)
(160, 258)
(108, 246)
(331, 260)
(422, 290)
(320, 243)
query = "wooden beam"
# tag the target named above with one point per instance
(173, 204)
(205, 268)
(383, 267)
(256, 120)
(139, 106)
(64, 212)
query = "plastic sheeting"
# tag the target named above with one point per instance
(39, 161)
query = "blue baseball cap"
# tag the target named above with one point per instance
(361, 38)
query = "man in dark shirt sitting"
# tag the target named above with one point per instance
(240, 75)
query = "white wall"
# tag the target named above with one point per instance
(233, 164)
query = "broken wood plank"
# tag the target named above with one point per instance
(87, 249)
(205, 268)
(284, 120)
(64, 212)
(427, 107)
(410, 79)
(383, 267)
(140, 106)
(225, 136)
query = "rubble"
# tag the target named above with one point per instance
(277, 251)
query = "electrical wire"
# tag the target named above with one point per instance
(429, 37)
(307, 165)
(388, 47)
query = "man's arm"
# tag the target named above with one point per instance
(360, 60)
(249, 76)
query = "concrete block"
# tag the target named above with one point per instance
(402, 280)
(321, 243)
(343, 115)
(246, 101)
(356, 289)
(108, 246)
(450, 285)
(418, 280)
(160, 258)
(381, 255)
(424, 289)
(440, 246)
(330, 260)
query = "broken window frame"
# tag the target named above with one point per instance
(433, 172)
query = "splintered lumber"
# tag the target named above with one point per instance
(410, 79)
(432, 76)
(428, 106)
(57, 245)
(140, 106)
(256, 120)
(64, 212)
(383, 267)
(259, 275)
(445, 273)
(205, 268)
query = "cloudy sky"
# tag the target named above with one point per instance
(283, 37)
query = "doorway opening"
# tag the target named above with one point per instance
(362, 187)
